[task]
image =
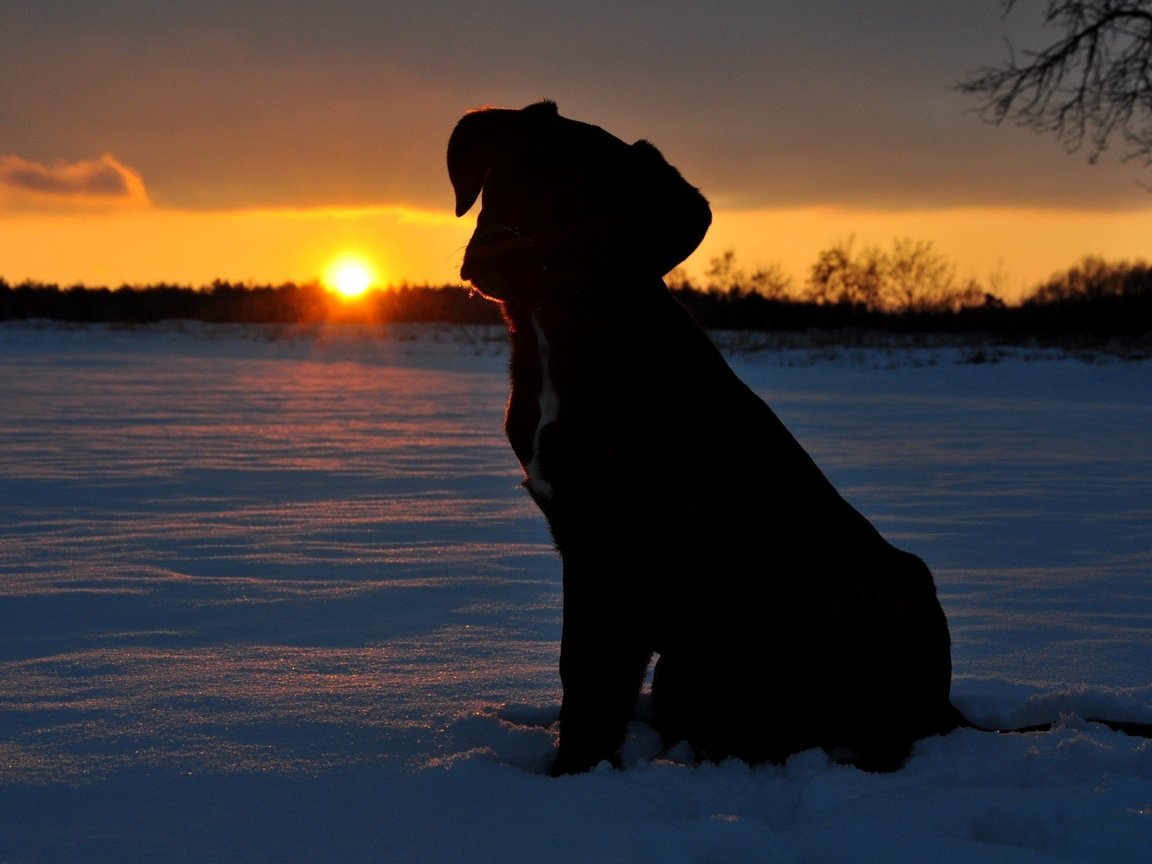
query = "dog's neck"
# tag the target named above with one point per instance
(592, 303)
(562, 354)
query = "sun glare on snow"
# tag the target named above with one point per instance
(350, 276)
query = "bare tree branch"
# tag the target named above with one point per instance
(1091, 85)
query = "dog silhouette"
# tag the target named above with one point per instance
(690, 523)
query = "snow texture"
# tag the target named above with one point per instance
(274, 595)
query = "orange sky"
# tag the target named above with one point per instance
(256, 142)
(147, 244)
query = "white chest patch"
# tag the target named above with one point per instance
(549, 404)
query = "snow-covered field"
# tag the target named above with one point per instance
(272, 595)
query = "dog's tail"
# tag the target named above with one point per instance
(1134, 728)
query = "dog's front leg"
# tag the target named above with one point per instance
(603, 659)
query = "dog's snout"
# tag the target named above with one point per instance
(495, 234)
(488, 244)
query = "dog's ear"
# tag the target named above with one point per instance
(675, 216)
(481, 137)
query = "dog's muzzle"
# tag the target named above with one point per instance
(494, 253)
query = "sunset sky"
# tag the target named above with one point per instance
(153, 140)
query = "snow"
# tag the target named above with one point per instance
(274, 595)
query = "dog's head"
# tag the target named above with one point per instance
(566, 204)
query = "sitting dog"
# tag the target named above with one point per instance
(690, 523)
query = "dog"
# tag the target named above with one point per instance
(691, 525)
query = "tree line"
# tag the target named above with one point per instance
(912, 288)
(907, 289)
(240, 303)
(911, 277)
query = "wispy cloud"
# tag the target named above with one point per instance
(102, 182)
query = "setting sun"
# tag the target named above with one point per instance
(350, 276)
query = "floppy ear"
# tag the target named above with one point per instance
(480, 138)
(674, 215)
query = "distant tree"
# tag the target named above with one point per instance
(840, 275)
(910, 278)
(678, 279)
(997, 282)
(1092, 83)
(921, 280)
(771, 282)
(1094, 279)
(724, 277)
(1095, 297)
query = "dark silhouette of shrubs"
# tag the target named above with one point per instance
(910, 278)
(1093, 300)
(227, 302)
(1093, 297)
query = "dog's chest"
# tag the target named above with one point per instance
(548, 413)
(535, 409)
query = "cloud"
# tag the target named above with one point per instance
(102, 182)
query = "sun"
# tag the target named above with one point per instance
(350, 276)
